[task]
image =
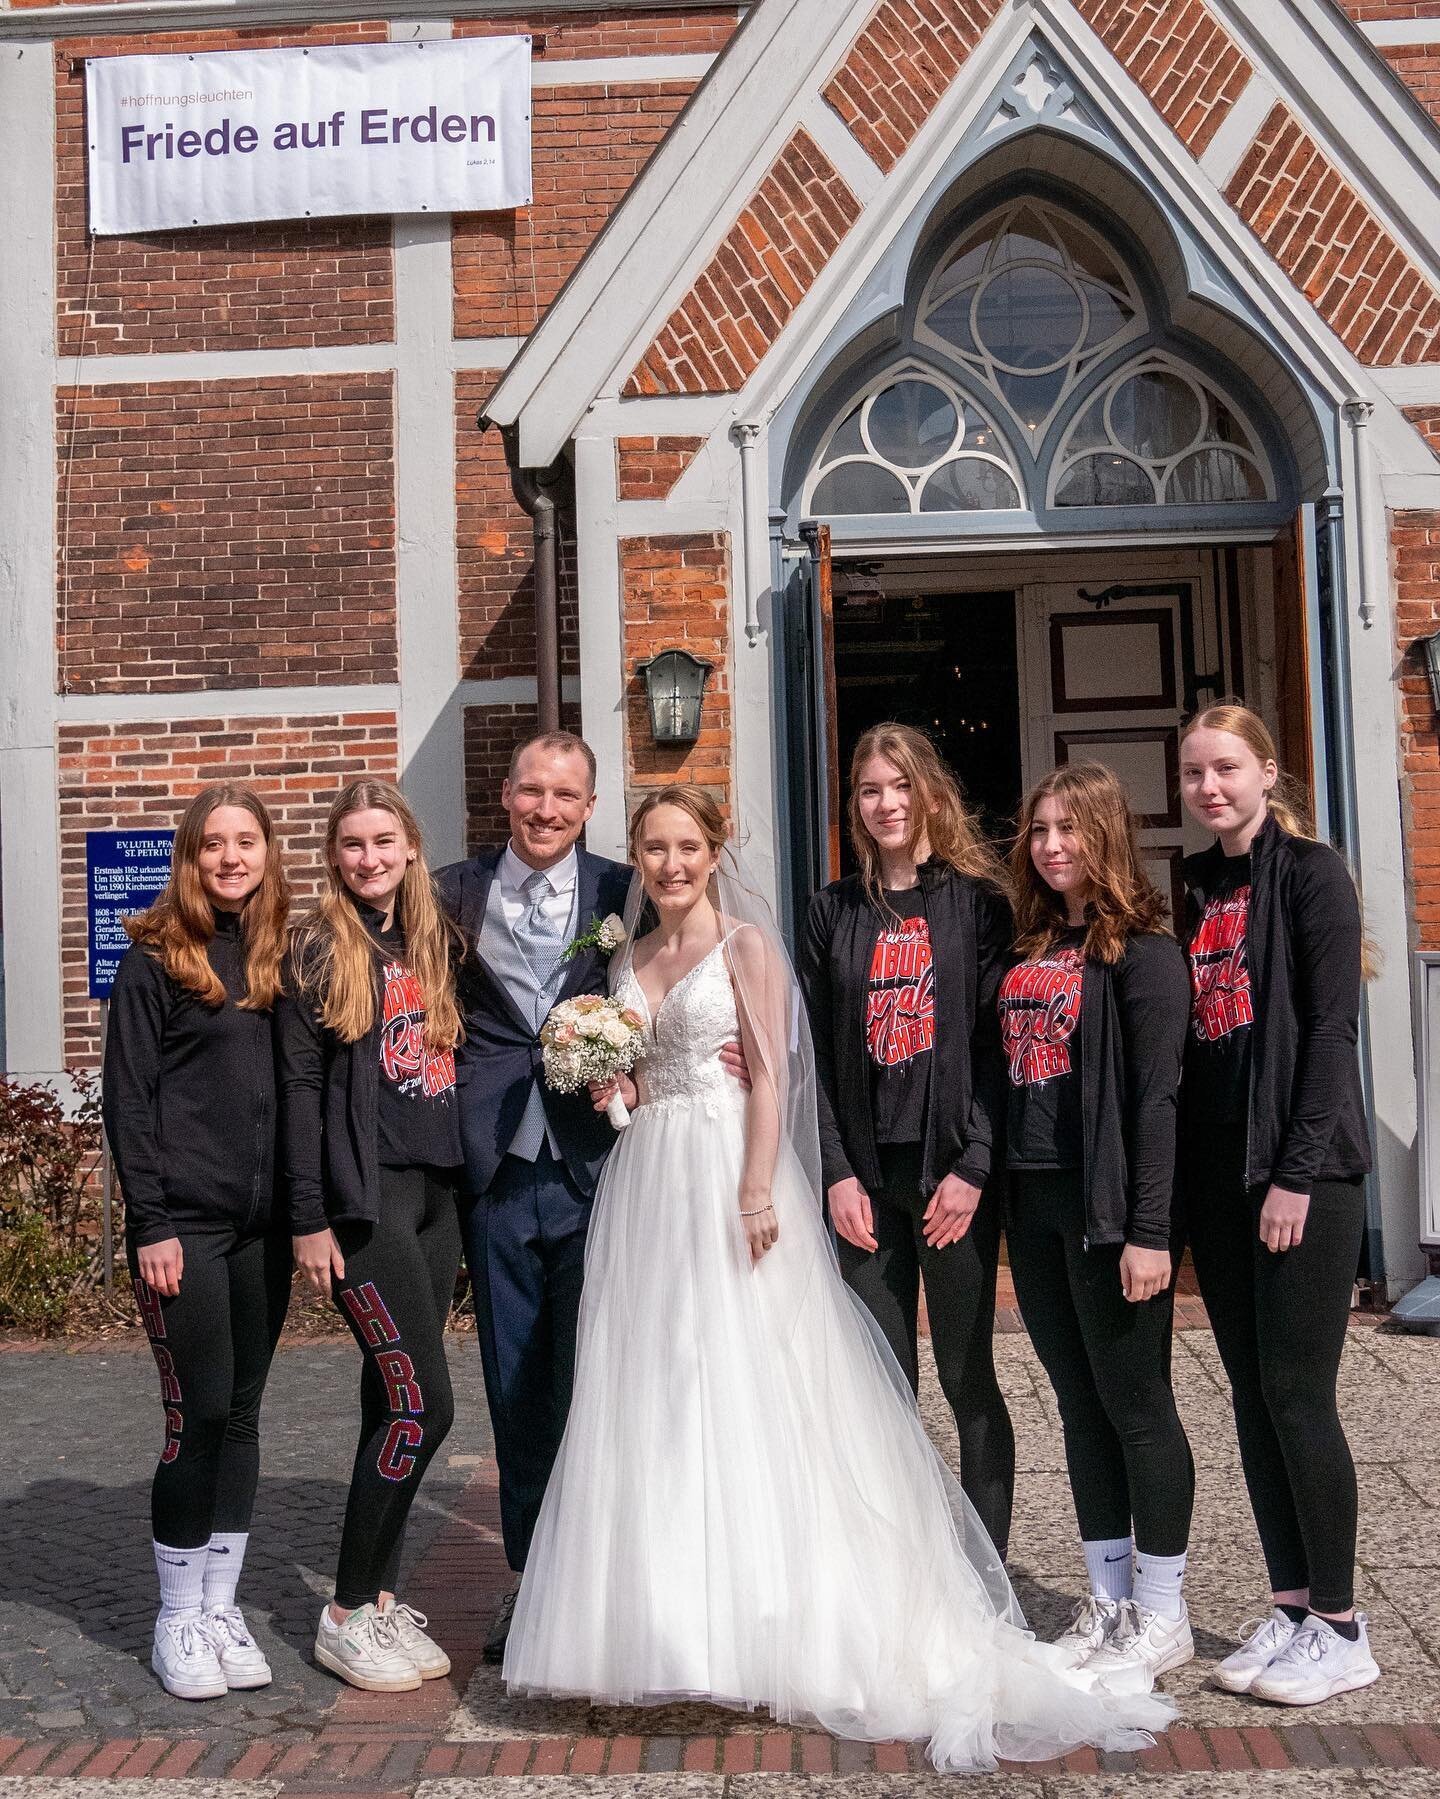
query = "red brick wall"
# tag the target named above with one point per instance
(563, 36)
(495, 547)
(900, 66)
(647, 468)
(1364, 11)
(676, 595)
(1415, 537)
(238, 287)
(1426, 420)
(790, 228)
(1418, 66)
(1359, 280)
(491, 733)
(227, 533)
(589, 145)
(129, 776)
(1180, 55)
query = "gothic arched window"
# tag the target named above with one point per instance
(1014, 392)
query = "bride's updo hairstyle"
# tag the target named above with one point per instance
(709, 819)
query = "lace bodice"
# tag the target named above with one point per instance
(695, 1021)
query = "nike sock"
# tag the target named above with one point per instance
(182, 1579)
(1297, 1614)
(1349, 1628)
(1158, 1580)
(222, 1571)
(1110, 1561)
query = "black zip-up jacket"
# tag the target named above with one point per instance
(1134, 1015)
(970, 931)
(189, 1098)
(1306, 1120)
(329, 1095)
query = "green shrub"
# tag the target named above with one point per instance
(48, 1160)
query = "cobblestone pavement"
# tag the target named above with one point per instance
(81, 1717)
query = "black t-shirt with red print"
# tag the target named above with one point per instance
(417, 1116)
(900, 1018)
(1040, 1033)
(1217, 1061)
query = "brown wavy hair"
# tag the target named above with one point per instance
(1123, 903)
(179, 925)
(938, 810)
(709, 819)
(334, 957)
(1287, 800)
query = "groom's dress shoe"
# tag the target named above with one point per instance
(494, 1650)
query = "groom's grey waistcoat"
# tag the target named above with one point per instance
(499, 1061)
(505, 956)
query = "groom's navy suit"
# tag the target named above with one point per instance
(525, 1219)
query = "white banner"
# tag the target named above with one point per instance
(439, 125)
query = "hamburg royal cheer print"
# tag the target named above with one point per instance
(1039, 1009)
(900, 1008)
(1219, 968)
(404, 1059)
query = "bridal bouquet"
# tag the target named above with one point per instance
(591, 1038)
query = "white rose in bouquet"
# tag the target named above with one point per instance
(591, 1038)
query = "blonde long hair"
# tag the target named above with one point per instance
(1123, 903)
(937, 812)
(1287, 801)
(333, 955)
(179, 925)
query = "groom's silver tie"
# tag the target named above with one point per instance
(542, 935)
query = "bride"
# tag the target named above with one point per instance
(745, 1507)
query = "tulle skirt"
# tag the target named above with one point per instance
(746, 1508)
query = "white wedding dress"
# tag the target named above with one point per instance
(745, 1507)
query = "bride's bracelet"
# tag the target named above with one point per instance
(758, 1212)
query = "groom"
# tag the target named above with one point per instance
(532, 1157)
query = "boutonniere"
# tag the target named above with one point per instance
(604, 934)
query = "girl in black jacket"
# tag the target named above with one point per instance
(1276, 1150)
(1092, 1016)
(366, 1032)
(900, 964)
(189, 1101)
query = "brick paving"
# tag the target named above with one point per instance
(80, 1712)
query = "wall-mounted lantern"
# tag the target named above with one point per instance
(675, 687)
(1430, 650)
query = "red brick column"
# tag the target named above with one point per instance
(677, 596)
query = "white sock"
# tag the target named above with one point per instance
(1110, 1561)
(222, 1571)
(182, 1580)
(1158, 1580)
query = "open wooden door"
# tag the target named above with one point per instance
(1291, 552)
(1303, 570)
(807, 682)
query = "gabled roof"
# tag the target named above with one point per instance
(813, 65)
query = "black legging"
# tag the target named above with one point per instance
(213, 1345)
(1109, 1363)
(960, 1301)
(399, 1281)
(1279, 1323)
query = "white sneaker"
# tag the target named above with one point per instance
(1317, 1663)
(184, 1657)
(431, 1661)
(242, 1660)
(1262, 1639)
(1142, 1646)
(1092, 1621)
(366, 1651)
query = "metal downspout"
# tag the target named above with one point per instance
(536, 490)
